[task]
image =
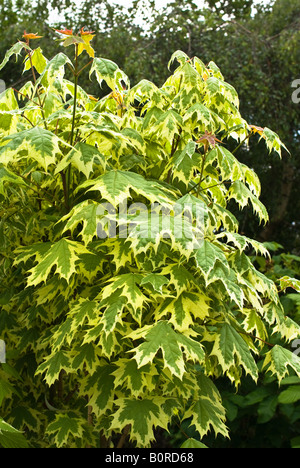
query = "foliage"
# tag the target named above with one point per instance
(126, 288)
(267, 415)
(261, 40)
(261, 414)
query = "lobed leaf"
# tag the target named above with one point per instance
(162, 337)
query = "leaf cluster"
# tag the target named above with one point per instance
(126, 287)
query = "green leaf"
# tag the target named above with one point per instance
(295, 442)
(273, 141)
(121, 290)
(143, 91)
(161, 336)
(116, 186)
(180, 56)
(11, 437)
(185, 310)
(254, 324)
(156, 280)
(100, 389)
(54, 70)
(216, 85)
(87, 356)
(82, 157)
(206, 414)
(166, 126)
(192, 443)
(228, 166)
(65, 426)
(16, 50)
(53, 365)
(38, 61)
(63, 255)
(200, 117)
(8, 100)
(184, 163)
(108, 71)
(242, 195)
(243, 243)
(207, 411)
(290, 395)
(142, 415)
(150, 228)
(207, 256)
(29, 417)
(9, 177)
(135, 379)
(6, 390)
(232, 350)
(114, 305)
(84, 213)
(279, 361)
(42, 146)
(81, 312)
(288, 282)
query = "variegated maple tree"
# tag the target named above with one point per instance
(126, 288)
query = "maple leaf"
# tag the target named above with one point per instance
(82, 156)
(64, 426)
(99, 387)
(29, 36)
(65, 32)
(116, 186)
(150, 413)
(84, 44)
(85, 33)
(136, 379)
(209, 139)
(16, 50)
(62, 254)
(108, 71)
(53, 364)
(287, 282)
(256, 129)
(11, 437)
(121, 289)
(8, 178)
(231, 349)
(82, 41)
(278, 361)
(42, 145)
(162, 337)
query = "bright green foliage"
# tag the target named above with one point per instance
(192, 443)
(10, 437)
(121, 317)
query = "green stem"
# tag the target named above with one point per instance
(175, 144)
(38, 95)
(83, 68)
(123, 436)
(67, 178)
(202, 168)
(75, 94)
(242, 142)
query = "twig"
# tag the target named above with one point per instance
(123, 436)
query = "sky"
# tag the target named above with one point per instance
(126, 3)
(158, 3)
